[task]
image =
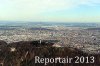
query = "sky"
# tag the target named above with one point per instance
(50, 10)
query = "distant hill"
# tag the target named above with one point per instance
(67, 24)
(41, 29)
(93, 29)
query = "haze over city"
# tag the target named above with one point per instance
(49, 29)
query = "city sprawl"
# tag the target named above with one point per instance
(85, 38)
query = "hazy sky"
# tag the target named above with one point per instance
(50, 10)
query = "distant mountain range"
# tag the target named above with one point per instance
(35, 24)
